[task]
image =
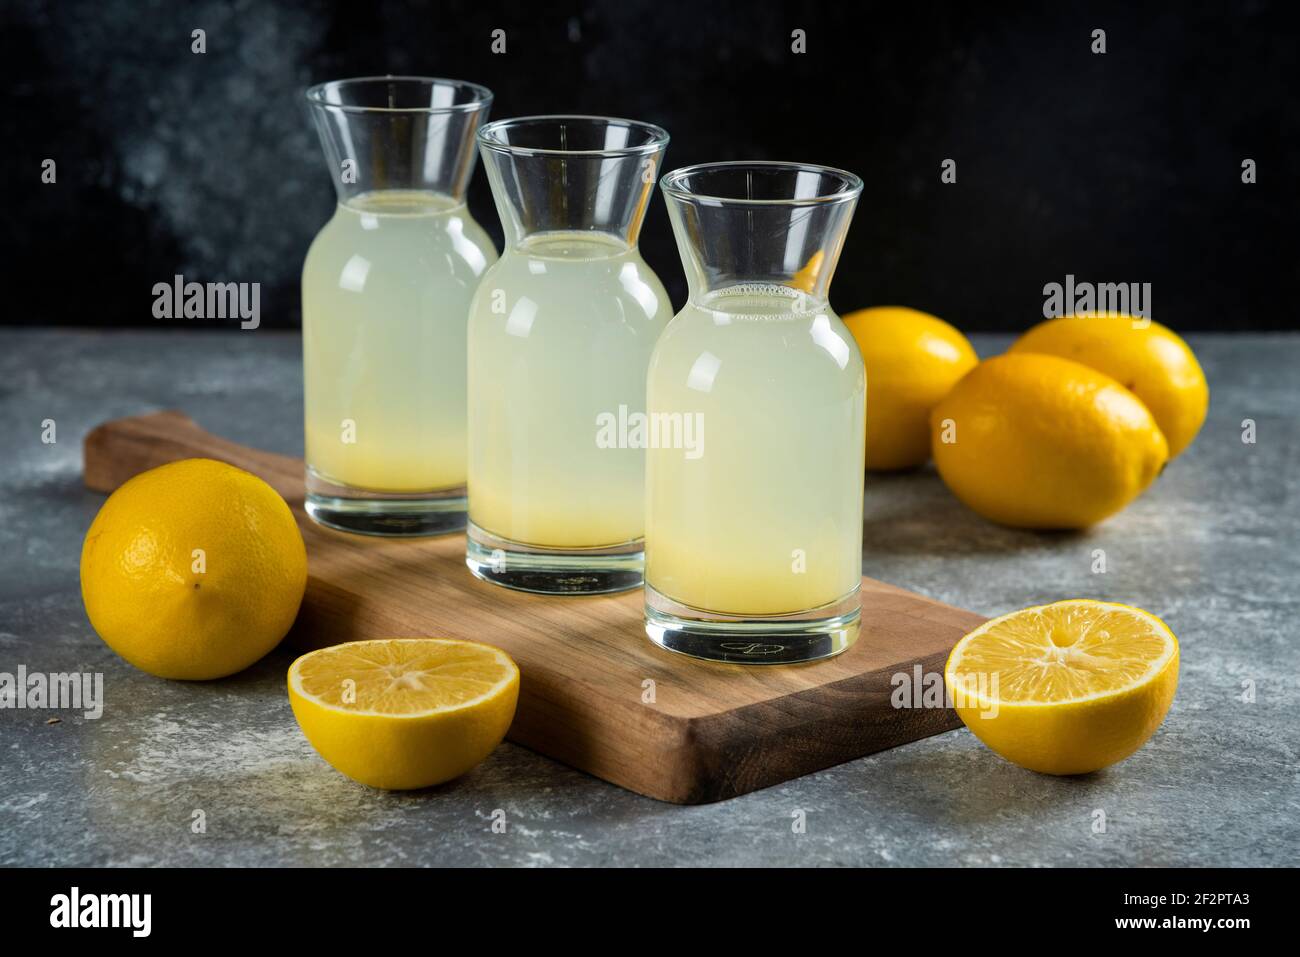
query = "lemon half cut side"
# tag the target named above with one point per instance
(404, 713)
(1065, 688)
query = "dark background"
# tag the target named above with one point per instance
(1122, 167)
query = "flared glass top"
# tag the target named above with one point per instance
(760, 223)
(567, 174)
(399, 132)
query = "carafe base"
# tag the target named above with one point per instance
(554, 571)
(799, 637)
(385, 514)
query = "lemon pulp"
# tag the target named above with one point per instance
(403, 713)
(1066, 688)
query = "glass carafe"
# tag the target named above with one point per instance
(754, 527)
(386, 289)
(560, 335)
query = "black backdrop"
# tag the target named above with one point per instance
(1122, 167)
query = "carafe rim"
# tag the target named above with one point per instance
(673, 184)
(481, 96)
(488, 139)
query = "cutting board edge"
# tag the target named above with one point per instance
(842, 733)
(704, 748)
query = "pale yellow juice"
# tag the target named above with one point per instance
(386, 290)
(561, 331)
(767, 520)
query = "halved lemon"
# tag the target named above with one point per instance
(1065, 688)
(403, 713)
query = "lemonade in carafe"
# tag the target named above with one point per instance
(754, 538)
(386, 289)
(561, 331)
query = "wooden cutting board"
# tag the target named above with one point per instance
(595, 693)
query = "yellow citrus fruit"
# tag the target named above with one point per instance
(193, 570)
(806, 278)
(1144, 357)
(1065, 688)
(402, 713)
(1037, 441)
(912, 359)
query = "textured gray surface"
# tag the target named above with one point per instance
(1212, 548)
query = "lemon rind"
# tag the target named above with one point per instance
(295, 681)
(1172, 651)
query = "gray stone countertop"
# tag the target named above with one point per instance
(1211, 548)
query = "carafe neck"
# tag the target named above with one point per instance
(414, 134)
(760, 225)
(572, 175)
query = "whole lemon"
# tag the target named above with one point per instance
(1145, 357)
(912, 360)
(193, 570)
(1037, 441)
